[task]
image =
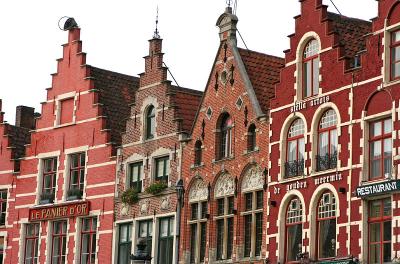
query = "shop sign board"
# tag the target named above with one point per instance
(378, 188)
(59, 211)
(342, 261)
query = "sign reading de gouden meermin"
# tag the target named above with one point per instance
(60, 211)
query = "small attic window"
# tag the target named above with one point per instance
(357, 61)
(209, 112)
(239, 103)
(66, 111)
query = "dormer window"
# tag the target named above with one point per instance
(150, 122)
(311, 69)
(395, 56)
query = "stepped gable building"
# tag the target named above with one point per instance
(12, 148)
(64, 192)
(334, 140)
(150, 161)
(226, 158)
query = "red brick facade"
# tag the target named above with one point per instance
(71, 158)
(238, 81)
(315, 186)
(148, 153)
(281, 160)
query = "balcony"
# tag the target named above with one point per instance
(326, 162)
(294, 168)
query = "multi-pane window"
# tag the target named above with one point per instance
(162, 169)
(49, 175)
(226, 137)
(326, 226)
(76, 174)
(135, 176)
(1, 249)
(294, 230)
(198, 231)
(251, 138)
(166, 241)
(395, 56)
(311, 69)
(295, 149)
(253, 223)
(31, 244)
(224, 221)
(146, 233)
(88, 240)
(380, 144)
(380, 231)
(58, 242)
(327, 141)
(124, 243)
(198, 152)
(3, 207)
(150, 122)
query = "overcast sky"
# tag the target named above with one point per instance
(115, 35)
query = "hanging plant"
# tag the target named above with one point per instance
(130, 196)
(156, 187)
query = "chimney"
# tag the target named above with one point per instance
(25, 117)
(1, 112)
(227, 25)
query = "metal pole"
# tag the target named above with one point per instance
(177, 228)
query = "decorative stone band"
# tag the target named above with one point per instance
(378, 188)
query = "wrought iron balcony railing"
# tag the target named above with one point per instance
(327, 161)
(294, 168)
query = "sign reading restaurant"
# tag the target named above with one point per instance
(59, 211)
(378, 188)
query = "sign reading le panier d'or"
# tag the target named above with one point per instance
(59, 211)
(378, 188)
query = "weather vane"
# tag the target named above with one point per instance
(229, 2)
(156, 33)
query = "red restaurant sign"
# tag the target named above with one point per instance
(59, 211)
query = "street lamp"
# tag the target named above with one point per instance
(141, 256)
(179, 195)
(179, 191)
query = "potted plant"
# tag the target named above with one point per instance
(74, 194)
(156, 187)
(130, 196)
(46, 198)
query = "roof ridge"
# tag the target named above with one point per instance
(258, 52)
(114, 72)
(349, 18)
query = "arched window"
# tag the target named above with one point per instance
(326, 226)
(226, 137)
(327, 141)
(294, 230)
(150, 122)
(251, 138)
(198, 153)
(198, 196)
(294, 165)
(225, 207)
(311, 68)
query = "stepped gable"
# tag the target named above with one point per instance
(351, 32)
(264, 72)
(187, 103)
(116, 94)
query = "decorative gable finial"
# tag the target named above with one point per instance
(156, 33)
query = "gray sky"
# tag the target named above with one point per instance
(115, 35)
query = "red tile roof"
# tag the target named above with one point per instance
(116, 93)
(264, 72)
(351, 32)
(187, 103)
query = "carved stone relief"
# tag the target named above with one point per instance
(165, 203)
(144, 206)
(198, 192)
(253, 179)
(225, 186)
